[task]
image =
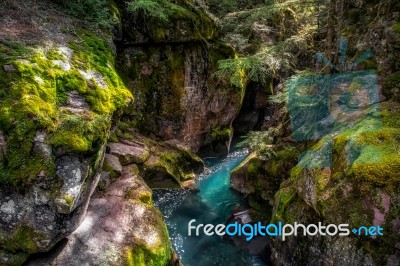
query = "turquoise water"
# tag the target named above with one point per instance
(213, 204)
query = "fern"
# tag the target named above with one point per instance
(261, 142)
(96, 12)
(150, 8)
(162, 10)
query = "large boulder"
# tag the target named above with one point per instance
(121, 227)
(259, 179)
(162, 164)
(47, 211)
(360, 189)
(133, 152)
(55, 118)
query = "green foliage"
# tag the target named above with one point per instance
(223, 7)
(162, 10)
(95, 12)
(221, 134)
(284, 197)
(396, 27)
(261, 142)
(241, 70)
(291, 25)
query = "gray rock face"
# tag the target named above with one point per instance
(119, 225)
(112, 165)
(40, 144)
(73, 175)
(9, 68)
(76, 103)
(47, 211)
(337, 251)
(134, 153)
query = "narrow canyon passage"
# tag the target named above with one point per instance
(213, 204)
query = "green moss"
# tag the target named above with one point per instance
(20, 166)
(146, 198)
(392, 80)
(295, 172)
(113, 138)
(55, 54)
(96, 55)
(81, 134)
(159, 254)
(171, 163)
(36, 92)
(252, 169)
(396, 27)
(69, 200)
(70, 81)
(220, 134)
(102, 185)
(391, 86)
(246, 161)
(21, 239)
(283, 197)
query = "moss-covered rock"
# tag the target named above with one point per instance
(172, 164)
(184, 21)
(361, 188)
(259, 179)
(122, 227)
(391, 86)
(166, 163)
(58, 99)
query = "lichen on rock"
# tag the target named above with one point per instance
(121, 227)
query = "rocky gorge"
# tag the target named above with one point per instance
(103, 101)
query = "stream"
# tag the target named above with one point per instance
(213, 204)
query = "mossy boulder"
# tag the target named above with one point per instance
(259, 179)
(166, 163)
(172, 164)
(121, 227)
(112, 165)
(58, 100)
(361, 188)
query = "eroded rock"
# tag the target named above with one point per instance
(112, 165)
(73, 173)
(120, 226)
(127, 154)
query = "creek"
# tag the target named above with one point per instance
(212, 204)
